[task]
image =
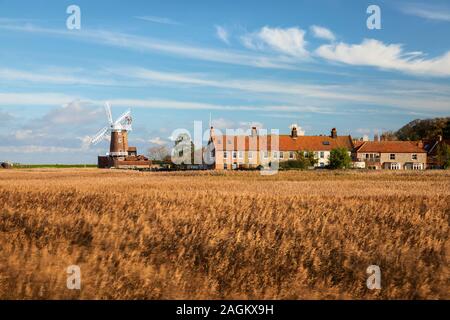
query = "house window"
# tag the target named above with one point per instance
(225, 166)
(240, 154)
(305, 153)
(417, 166)
(275, 154)
(322, 164)
(250, 155)
(291, 155)
(395, 166)
(392, 156)
(265, 154)
(281, 155)
(234, 154)
(414, 156)
(225, 154)
(322, 154)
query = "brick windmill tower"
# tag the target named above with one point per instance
(120, 155)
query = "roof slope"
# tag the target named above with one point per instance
(285, 143)
(391, 147)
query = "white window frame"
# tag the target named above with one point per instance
(234, 154)
(291, 154)
(265, 154)
(395, 166)
(392, 156)
(322, 154)
(240, 154)
(414, 156)
(225, 154)
(281, 155)
(275, 154)
(250, 155)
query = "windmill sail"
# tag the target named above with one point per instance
(100, 135)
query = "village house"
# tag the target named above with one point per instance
(253, 150)
(393, 155)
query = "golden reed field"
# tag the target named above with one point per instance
(211, 235)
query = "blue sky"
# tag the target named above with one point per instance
(269, 63)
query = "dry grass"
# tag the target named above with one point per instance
(296, 235)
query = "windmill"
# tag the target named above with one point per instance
(118, 131)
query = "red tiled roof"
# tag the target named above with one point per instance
(285, 143)
(391, 147)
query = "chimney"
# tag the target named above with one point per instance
(254, 132)
(376, 138)
(420, 144)
(334, 133)
(294, 132)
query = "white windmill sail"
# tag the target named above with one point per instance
(122, 123)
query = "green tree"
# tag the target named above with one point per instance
(443, 155)
(303, 160)
(340, 159)
(446, 130)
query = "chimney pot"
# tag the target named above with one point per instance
(334, 133)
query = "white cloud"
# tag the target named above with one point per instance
(161, 20)
(375, 53)
(222, 123)
(158, 141)
(426, 11)
(419, 96)
(24, 134)
(74, 112)
(62, 77)
(250, 124)
(322, 33)
(222, 34)
(144, 44)
(290, 41)
(33, 99)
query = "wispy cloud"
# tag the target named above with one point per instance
(322, 33)
(374, 53)
(222, 34)
(145, 44)
(288, 41)
(161, 20)
(427, 11)
(60, 77)
(418, 96)
(158, 141)
(34, 99)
